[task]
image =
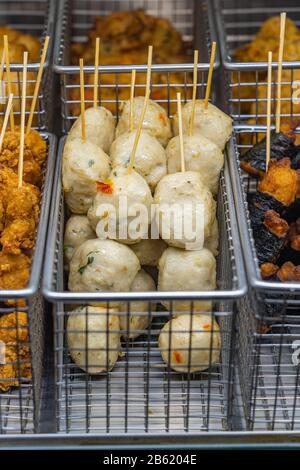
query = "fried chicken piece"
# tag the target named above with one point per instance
(275, 224)
(34, 155)
(289, 272)
(17, 367)
(14, 271)
(268, 270)
(294, 235)
(21, 207)
(14, 327)
(280, 181)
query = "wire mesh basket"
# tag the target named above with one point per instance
(193, 19)
(141, 394)
(237, 24)
(269, 367)
(22, 321)
(34, 18)
(279, 298)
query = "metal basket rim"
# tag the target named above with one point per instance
(55, 296)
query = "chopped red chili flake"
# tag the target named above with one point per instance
(206, 327)
(177, 357)
(105, 187)
(162, 118)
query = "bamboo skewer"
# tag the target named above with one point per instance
(210, 74)
(132, 85)
(6, 117)
(279, 76)
(2, 65)
(97, 49)
(180, 132)
(82, 100)
(269, 92)
(6, 51)
(191, 126)
(22, 127)
(138, 132)
(149, 65)
(37, 84)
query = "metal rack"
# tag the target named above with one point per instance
(36, 18)
(190, 17)
(237, 23)
(19, 407)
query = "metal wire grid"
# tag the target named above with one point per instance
(140, 395)
(19, 407)
(36, 18)
(269, 368)
(76, 18)
(237, 23)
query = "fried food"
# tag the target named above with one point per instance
(280, 181)
(124, 40)
(254, 85)
(289, 272)
(132, 31)
(19, 43)
(14, 333)
(14, 271)
(34, 155)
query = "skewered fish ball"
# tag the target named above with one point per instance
(212, 123)
(190, 343)
(200, 154)
(108, 203)
(149, 251)
(93, 338)
(181, 270)
(99, 127)
(84, 164)
(156, 121)
(186, 190)
(143, 282)
(102, 266)
(150, 157)
(78, 230)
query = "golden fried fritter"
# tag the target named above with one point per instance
(268, 270)
(19, 43)
(289, 272)
(9, 156)
(21, 219)
(14, 327)
(14, 271)
(280, 181)
(17, 367)
(124, 40)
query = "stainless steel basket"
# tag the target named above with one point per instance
(36, 18)
(237, 23)
(140, 395)
(19, 407)
(192, 18)
(282, 297)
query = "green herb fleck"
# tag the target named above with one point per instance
(83, 268)
(91, 163)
